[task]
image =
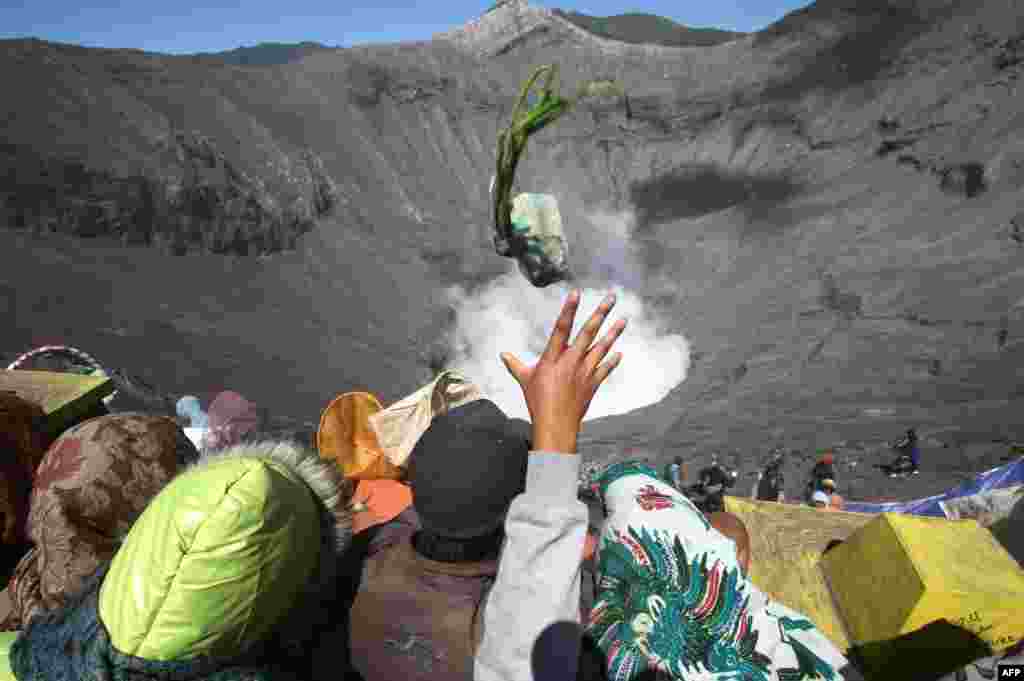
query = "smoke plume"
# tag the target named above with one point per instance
(510, 315)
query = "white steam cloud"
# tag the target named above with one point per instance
(510, 315)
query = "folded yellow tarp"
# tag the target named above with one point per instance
(787, 541)
(906, 582)
(63, 397)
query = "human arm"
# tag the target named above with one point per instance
(538, 582)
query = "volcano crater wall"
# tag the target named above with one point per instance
(843, 253)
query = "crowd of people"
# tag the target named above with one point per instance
(198, 549)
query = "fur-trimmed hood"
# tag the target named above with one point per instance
(331, 490)
(334, 497)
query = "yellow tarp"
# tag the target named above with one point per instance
(63, 397)
(787, 541)
(901, 573)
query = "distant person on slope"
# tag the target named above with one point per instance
(709, 492)
(910, 455)
(824, 469)
(771, 482)
(674, 473)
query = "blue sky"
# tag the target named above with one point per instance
(185, 26)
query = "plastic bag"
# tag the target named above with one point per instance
(537, 240)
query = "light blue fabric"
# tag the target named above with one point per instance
(188, 407)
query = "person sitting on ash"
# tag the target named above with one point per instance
(712, 481)
(910, 456)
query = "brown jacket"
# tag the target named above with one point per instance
(417, 619)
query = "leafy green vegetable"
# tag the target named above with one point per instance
(533, 112)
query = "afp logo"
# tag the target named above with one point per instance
(1013, 671)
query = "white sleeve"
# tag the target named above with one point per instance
(538, 580)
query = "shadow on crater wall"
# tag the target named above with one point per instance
(876, 34)
(694, 190)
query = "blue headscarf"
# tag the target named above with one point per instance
(189, 408)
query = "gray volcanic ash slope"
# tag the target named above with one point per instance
(828, 211)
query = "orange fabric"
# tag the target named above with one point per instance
(590, 547)
(346, 438)
(384, 500)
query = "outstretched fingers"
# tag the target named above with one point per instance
(519, 371)
(559, 338)
(588, 333)
(597, 353)
(602, 372)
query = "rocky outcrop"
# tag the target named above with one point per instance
(963, 179)
(200, 201)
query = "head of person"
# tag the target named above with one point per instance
(678, 461)
(464, 472)
(829, 485)
(912, 434)
(190, 410)
(819, 499)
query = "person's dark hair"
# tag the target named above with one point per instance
(679, 460)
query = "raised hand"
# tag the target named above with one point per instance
(560, 386)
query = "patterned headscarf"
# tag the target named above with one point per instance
(92, 484)
(672, 598)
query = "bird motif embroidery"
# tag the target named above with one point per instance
(682, 616)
